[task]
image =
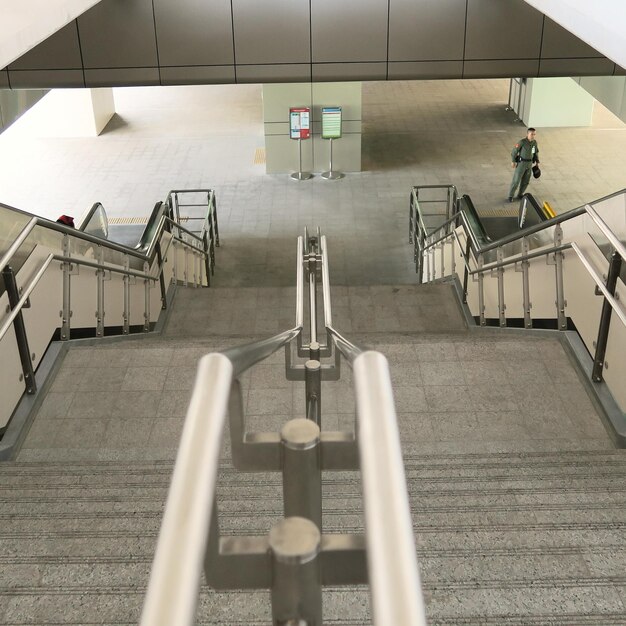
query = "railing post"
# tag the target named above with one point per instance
(126, 312)
(560, 292)
(146, 314)
(501, 302)
(100, 295)
(528, 323)
(411, 219)
(66, 312)
(217, 230)
(302, 473)
(313, 390)
(615, 267)
(10, 284)
(161, 277)
(443, 250)
(466, 272)
(481, 291)
(207, 259)
(186, 268)
(296, 577)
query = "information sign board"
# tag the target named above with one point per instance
(331, 122)
(299, 122)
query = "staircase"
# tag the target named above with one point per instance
(517, 492)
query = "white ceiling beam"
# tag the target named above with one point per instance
(599, 23)
(26, 23)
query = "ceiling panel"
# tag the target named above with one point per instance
(349, 30)
(502, 29)
(272, 31)
(421, 30)
(59, 51)
(559, 43)
(194, 32)
(118, 33)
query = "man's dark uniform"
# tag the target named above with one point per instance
(525, 153)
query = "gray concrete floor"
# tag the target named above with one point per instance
(426, 132)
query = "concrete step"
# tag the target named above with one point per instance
(533, 538)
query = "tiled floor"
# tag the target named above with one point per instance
(428, 132)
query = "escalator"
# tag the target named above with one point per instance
(488, 230)
(136, 236)
(495, 228)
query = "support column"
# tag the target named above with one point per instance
(71, 113)
(554, 102)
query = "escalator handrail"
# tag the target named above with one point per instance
(87, 219)
(531, 230)
(79, 234)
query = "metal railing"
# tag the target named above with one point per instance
(189, 538)
(474, 252)
(143, 257)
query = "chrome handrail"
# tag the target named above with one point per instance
(25, 295)
(600, 284)
(14, 247)
(606, 231)
(173, 589)
(299, 284)
(328, 315)
(245, 356)
(391, 561)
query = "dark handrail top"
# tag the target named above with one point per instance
(563, 217)
(67, 230)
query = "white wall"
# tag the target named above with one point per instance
(556, 102)
(68, 113)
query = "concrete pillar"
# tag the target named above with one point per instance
(281, 152)
(609, 90)
(70, 113)
(555, 102)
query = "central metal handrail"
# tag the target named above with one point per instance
(172, 594)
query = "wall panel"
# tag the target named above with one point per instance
(283, 73)
(559, 43)
(44, 79)
(502, 30)
(277, 34)
(59, 51)
(118, 33)
(122, 77)
(500, 69)
(198, 75)
(194, 32)
(411, 70)
(425, 30)
(576, 67)
(4, 79)
(349, 71)
(350, 30)
(147, 42)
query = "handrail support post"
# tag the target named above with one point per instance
(296, 577)
(615, 267)
(10, 285)
(313, 390)
(302, 473)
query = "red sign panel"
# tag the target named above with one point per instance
(299, 122)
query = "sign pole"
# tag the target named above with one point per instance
(300, 128)
(300, 175)
(332, 174)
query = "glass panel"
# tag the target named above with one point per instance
(97, 223)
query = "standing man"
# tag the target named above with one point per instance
(524, 155)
